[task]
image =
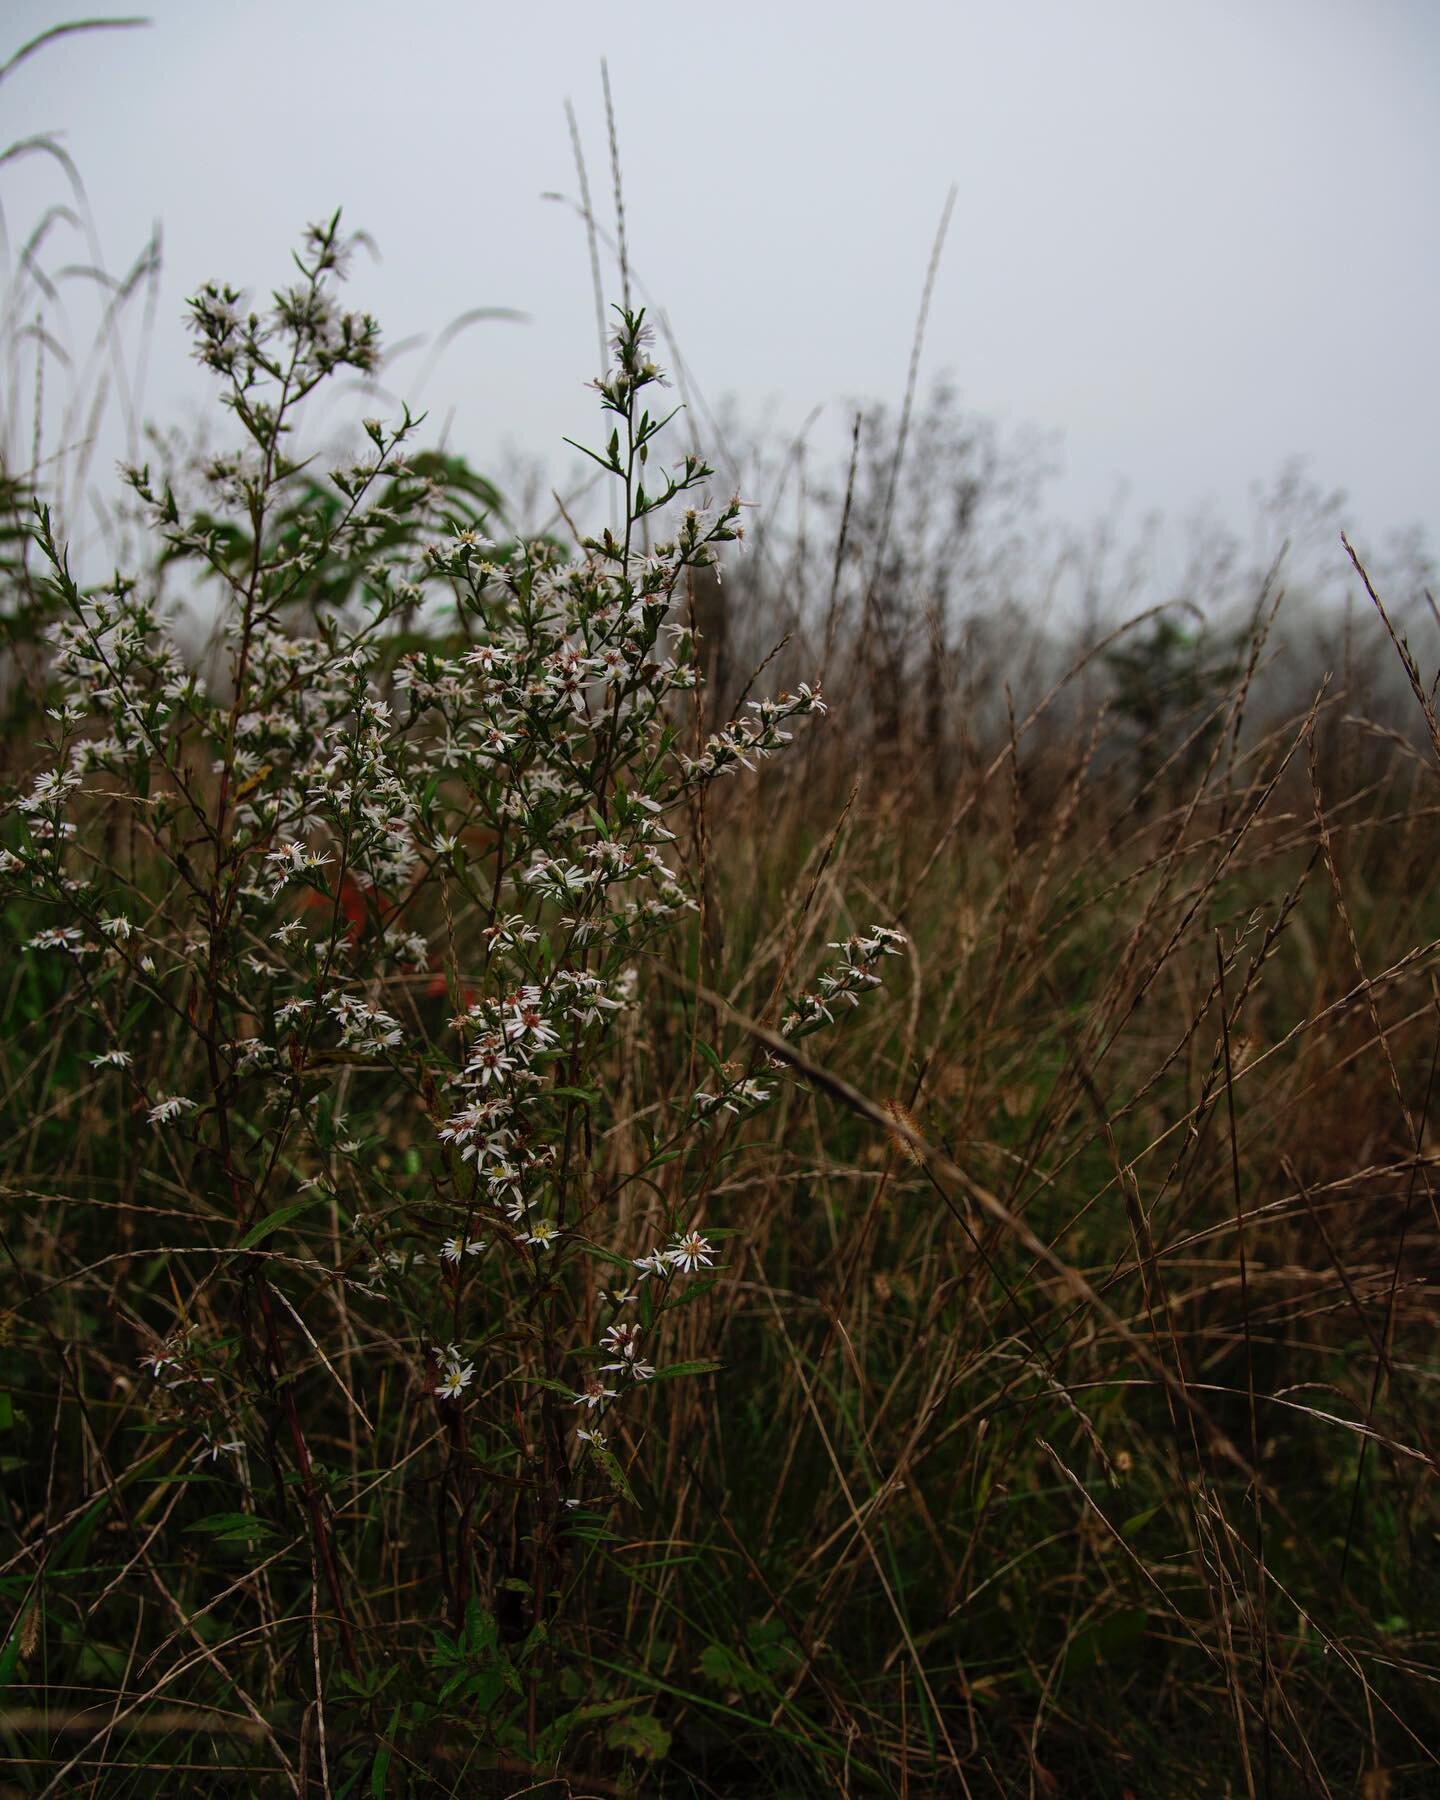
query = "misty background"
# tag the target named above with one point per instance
(1189, 243)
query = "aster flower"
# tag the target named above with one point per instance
(690, 1252)
(454, 1248)
(489, 1061)
(621, 1340)
(636, 1371)
(169, 1109)
(59, 937)
(455, 1373)
(214, 1450)
(453, 1383)
(594, 1394)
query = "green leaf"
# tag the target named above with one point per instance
(611, 468)
(227, 1527)
(601, 1254)
(691, 1292)
(703, 1367)
(640, 1734)
(481, 1631)
(609, 1466)
(727, 1670)
(273, 1221)
(1138, 1521)
(458, 1680)
(380, 1768)
(72, 1551)
(711, 1056)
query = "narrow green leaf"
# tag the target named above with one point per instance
(609, 1465)
(704, 1367)
(262, 1228)
(380, 1768)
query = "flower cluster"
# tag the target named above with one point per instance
(688, 1253)
(453, 1374)
(850, 975)
(178, 1369)
(401, 842)
(747, 741)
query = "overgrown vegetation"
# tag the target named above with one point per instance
(504, 1299)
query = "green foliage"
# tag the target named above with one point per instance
(1171, 685)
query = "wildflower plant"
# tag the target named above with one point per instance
(350, 925)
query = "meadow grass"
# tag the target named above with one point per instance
(1080, 1443)
(1044, 1344)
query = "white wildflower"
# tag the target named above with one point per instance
(594, 1394)
(164, 1111)
(690, 1252)
(454, 1248)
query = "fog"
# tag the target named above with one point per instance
(1190, 241)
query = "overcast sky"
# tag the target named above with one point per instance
(1193, 237)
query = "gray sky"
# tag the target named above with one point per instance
(1194, 237)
